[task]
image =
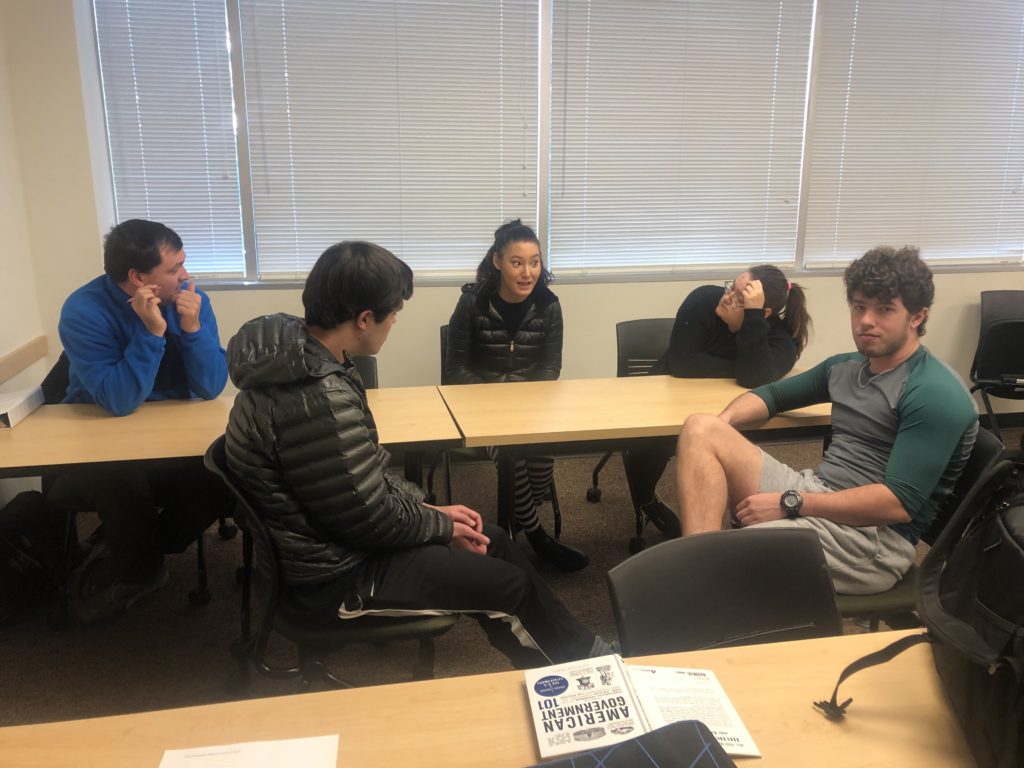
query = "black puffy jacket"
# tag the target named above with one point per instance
(302, 442)
(483, 349)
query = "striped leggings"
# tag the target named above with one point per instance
(534, 475)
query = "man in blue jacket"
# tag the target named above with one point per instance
(141, 331)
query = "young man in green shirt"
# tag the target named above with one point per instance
(903, 426)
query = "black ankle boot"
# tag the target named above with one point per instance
(562, 556)
(664, 519)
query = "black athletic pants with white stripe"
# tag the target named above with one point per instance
(521, 616)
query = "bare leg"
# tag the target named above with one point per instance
(715, 466)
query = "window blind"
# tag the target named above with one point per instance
(411, 123)
(918, 133)
(676, 132)
(167, 99)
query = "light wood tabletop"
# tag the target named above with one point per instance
(523, 413)
(410, 415)
(898, 718)
(57, 435)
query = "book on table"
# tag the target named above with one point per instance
(591, 703)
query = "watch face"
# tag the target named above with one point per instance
(789, 500)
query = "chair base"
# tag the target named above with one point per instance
(315, 645)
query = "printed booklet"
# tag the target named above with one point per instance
(596, 702)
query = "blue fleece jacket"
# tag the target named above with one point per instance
(118, 364)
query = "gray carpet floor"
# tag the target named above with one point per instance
(165, 653)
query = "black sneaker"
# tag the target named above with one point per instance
(663, 517)
(562, 556)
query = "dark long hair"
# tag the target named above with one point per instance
(488, 278)
(787, 301)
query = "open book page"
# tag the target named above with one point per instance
(669, 694)
(582, 705)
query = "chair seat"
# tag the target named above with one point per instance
(898, 600)
(365, 629)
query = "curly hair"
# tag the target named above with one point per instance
(885, 273)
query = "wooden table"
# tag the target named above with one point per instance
(585, 410)
(62, 435)
(598, 415)
(899, 717)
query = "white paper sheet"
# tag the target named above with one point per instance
(312, 752)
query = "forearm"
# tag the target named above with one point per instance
(205, 366)
(745, 409)
(119, 382)
(699, 365)
(761, 356)
(867, 505)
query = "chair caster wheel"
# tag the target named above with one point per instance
(198, 597)
(227, 531)
(593, 494)
(636, 544)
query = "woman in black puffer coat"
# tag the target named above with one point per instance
(507, 326)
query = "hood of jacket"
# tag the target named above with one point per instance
(276, 349)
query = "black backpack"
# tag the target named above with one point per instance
(970, 596)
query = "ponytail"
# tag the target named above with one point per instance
(794, 317)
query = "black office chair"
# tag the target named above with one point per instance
(313, 643)
(475, 454)
(639, 345)
(998, 367)
(722, 589)
(897, 605)
(55, 387)
(367, 367)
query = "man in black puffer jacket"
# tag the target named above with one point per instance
(351, 539)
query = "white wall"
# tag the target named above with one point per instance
(61, 221)
(19, 311)
(411, 355)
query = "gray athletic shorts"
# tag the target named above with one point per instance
(863, 559)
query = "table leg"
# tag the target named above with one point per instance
(506, 489)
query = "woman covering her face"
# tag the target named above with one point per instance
(752, 331)
(507, 326)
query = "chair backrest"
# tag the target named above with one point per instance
(1000, 349)
(265, 571)
(55, 384)
(640, 343)
(987, 450)
(367, 367)
(722, 589)
(444, 352)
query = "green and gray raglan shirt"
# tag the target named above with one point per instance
(911, 428)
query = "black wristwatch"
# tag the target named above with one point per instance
(791, 503)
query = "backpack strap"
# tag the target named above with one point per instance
(836, 711)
